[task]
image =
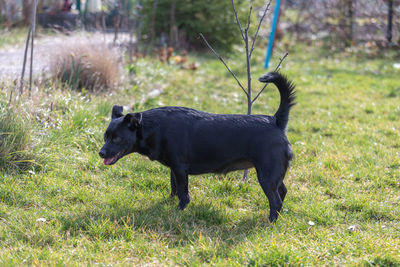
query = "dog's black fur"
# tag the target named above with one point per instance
(195, 142)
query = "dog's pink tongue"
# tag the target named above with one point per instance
(108, 161)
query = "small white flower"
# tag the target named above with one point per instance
(311, 223)
(351, 228)
(41, 220)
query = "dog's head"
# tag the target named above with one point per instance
(121, 135)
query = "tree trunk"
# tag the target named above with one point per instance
(10, 11)
(350, 21)
(152, 27)
(346, 20)
(173, 33)
(390, 22)
(2, 10)
(139, 33)
(27, 7)
(117, 22)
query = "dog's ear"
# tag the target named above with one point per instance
(117, 112)
(134, 120)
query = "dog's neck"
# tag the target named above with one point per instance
(148, 141)
(147, 146)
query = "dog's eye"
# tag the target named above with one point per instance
(116, 139)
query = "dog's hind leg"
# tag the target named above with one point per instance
(269, 178)
(282, 191)
(173, 185)
(182, 189)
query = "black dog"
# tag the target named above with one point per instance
(195, 142)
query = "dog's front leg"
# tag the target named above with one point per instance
(181, 179)
(173, 184)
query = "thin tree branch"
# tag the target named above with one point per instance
(248, 18)
(222, 60)
(32, 44)
(246, 42)
(276, 69)
(258, 28)
(259, 93)
(280, 61)
(21, 87)
(237, 20)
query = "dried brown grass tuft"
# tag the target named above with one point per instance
(81, 65)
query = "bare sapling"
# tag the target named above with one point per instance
(30, 37)
(249, 47)
(32, 44)
(21, 85)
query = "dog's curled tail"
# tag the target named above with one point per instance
(287, 92)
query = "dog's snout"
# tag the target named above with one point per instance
(102, 154)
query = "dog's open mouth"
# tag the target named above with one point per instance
(111, 161)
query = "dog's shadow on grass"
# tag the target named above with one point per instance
(205, 218)
(165, 219)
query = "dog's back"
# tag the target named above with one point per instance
(207, 142)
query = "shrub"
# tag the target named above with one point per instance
(214, 18)
(81, 65)
(14, 139)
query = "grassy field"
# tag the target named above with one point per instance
(343, 201)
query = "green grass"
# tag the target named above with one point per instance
(345, 136)
(13, 37)
(14, 138)
(16, 36)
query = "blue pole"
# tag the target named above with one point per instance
(272, 34)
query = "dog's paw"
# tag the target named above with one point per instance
(183, 202)
(273, 217)
(182, 205)
(173, 194)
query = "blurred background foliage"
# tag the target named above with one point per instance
(177, 23)
(214, 18)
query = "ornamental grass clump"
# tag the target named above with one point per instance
(14, 139)
(84, 66)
